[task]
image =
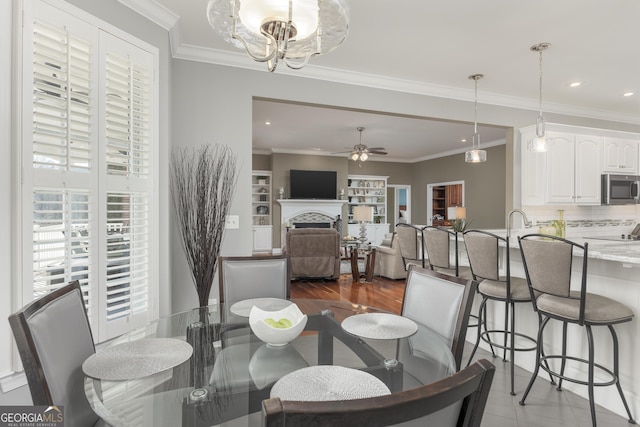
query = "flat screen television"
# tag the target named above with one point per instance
(306, 184)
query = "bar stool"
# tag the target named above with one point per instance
(547, 262)
(411, 245)
(437, 245)
(483, 250)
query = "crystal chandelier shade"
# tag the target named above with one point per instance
(475, 155)
(291, 31)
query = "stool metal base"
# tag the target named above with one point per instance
(590, 383)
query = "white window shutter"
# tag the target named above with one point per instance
(88, 142)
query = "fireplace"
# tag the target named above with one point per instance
(308, 213)
(312, 224)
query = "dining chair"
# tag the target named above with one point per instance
(458, 400)
(262, 276)
(548, 262)
(483, 251)
(410, 242)
(54, 338)
(441, 302)
(437, 244)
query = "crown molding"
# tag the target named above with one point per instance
(179, 50)
(153, 11)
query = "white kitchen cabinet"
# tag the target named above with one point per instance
(620, 156)
(573, 168)
(262, 238)
(375, 232)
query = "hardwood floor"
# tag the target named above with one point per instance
(382, 293)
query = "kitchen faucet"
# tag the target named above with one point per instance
(527, 223)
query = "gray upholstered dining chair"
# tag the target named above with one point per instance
(548, 262)
(437, 244)
(441, 302)
(458, 400)
(54, 338)
(261, 276)
(411, 247)
(483, 251)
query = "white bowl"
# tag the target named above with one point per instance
(277, 336)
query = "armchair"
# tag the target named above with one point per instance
(313, 252)
(388, 258)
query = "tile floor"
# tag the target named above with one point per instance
(545, 406)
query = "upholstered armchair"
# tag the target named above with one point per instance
(313, 253)
(388, 258)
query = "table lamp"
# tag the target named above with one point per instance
(458, 216)
(363, 214)
(456, 212)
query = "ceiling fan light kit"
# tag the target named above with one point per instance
(291, 31)
(475, 155)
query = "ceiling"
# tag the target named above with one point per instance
(431, 47)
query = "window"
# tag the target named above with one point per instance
(88, 143)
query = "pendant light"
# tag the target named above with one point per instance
(539, 143)
(475, 155)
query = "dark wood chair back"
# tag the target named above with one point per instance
(54, 338)
(458, 400)
(258, 276)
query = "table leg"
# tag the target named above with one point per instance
(355, 274)
(370, 265)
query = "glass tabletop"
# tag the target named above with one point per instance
(231, 371)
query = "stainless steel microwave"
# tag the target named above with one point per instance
(620, 189)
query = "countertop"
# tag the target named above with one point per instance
(625, 252)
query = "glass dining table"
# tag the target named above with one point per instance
(230, 371)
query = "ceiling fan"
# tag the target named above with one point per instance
(361, 152)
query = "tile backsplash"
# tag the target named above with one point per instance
(587, 220)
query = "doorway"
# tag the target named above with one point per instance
(401, 204)
(440, 197)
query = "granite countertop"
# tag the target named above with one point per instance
(626, 252)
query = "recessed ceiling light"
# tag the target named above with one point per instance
(267, 123)
(463, 140)
(628, 94)
(575, 84)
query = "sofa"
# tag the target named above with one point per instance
(388, 258)
(313, 253)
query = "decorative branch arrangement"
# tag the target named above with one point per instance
(202, 185)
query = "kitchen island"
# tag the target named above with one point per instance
(614, 272)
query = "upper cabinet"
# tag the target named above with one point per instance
(368, 190)
(568, 173)
(620, 156)
(573, 169)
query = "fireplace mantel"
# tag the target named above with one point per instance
(295, 207)
(291, 208)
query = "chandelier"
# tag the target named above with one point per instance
(475, 155)
(288, 30)
(539, 143)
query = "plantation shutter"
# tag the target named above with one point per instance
(88, 142)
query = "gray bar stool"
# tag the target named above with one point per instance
(547, 261)
(483, 251)
(437, 244)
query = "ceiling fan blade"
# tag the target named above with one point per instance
(377, 149)
(383, 153)
(342, 152)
